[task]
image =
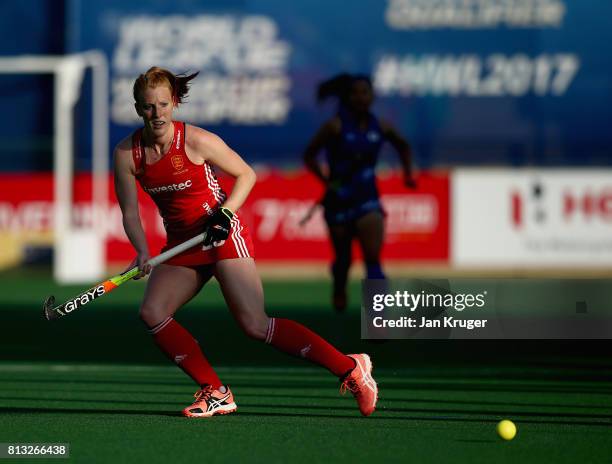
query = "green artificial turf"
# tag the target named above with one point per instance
(96, 381)
(118, 413)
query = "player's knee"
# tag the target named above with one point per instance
(255, 327)
(150, 315)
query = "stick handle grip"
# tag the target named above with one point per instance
(172, 252)
(162, 257)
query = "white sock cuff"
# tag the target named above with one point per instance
(270, 331)
(160, 326)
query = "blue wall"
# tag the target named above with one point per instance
(29, 27)
(483, 88)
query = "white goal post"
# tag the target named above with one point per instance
(78, 252)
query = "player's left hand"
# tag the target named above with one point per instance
(218, 226)
(141, 260)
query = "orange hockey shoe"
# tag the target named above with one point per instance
(210, 402)
(361, 384)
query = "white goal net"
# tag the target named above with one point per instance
(79, 251)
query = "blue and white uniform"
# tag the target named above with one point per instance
(352, 161)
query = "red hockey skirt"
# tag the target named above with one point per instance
(237, 245)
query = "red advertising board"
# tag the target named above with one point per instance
(417, 221)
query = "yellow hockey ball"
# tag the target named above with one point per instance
(506, 429)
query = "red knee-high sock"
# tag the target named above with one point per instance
(295, 339)
(178, 344)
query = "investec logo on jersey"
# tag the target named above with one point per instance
(84, 298)
(169, 188)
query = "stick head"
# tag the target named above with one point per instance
(48, 306)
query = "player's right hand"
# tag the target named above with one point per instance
(218, 226)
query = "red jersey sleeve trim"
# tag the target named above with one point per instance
(137, 151)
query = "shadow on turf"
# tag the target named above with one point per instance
(375, 418)
(90, 400)
(13, 410)
(381, 407)
(16, 410)
(187, 390)
(439, 401)
(447, 386)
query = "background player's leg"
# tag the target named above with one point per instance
(242, 289)
(341, 236)
(370, 233)
(168, 288)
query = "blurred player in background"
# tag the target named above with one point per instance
(174, 163)
(352, 140)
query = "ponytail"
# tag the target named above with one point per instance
(339, 86)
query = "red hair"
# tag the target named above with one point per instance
(156, 76)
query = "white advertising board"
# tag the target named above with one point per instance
(531, 218)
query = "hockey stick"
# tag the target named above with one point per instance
(308, 216)
(110, 284)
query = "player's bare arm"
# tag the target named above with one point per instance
(202, 145)
(127, 195)
(324, 135)
(401, 145)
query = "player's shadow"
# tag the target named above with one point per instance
(93, 400)
(88, 391)
(383, 402)
(47, 410)
(133, 412)
(297, 383)
(378, 417)
(438, 401)
(382, 407)
(515, 412)
(143, 381)
(546, 387)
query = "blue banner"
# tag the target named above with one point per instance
(510, 82)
